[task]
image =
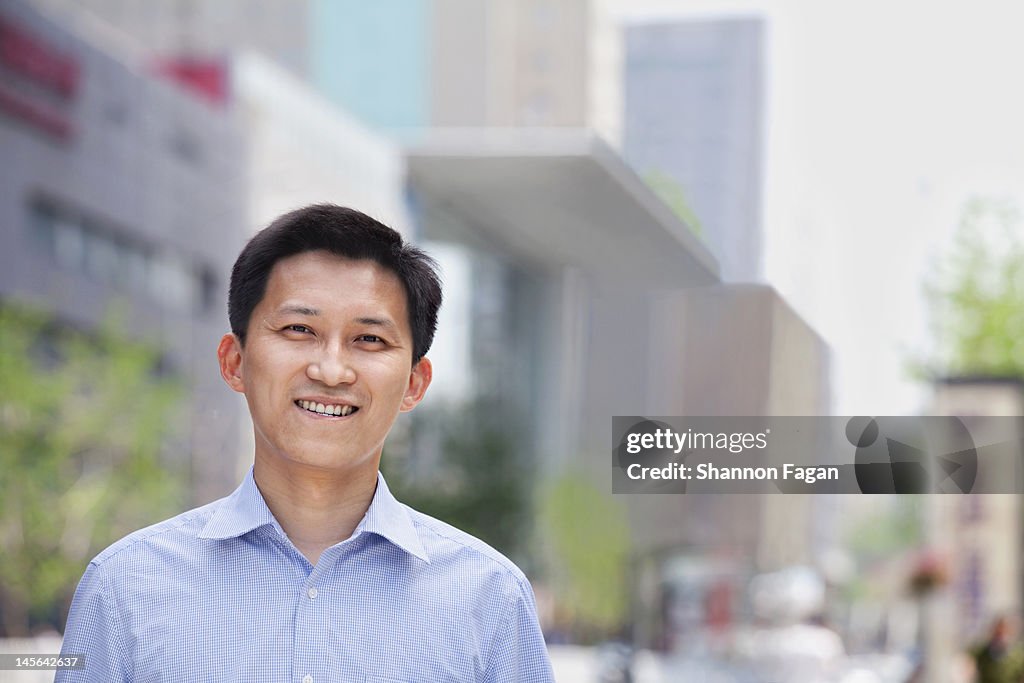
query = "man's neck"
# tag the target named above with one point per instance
(316, 508)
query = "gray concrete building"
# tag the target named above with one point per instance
(693, 124)
(611, 306)
(570, 225)
(470, 63)
(119, 189)
(403, 65)
(207, 31)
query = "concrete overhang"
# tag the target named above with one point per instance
(560, 197)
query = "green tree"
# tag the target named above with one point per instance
(478, 480)
(893, 528)
(674, 196)
(976, 296)
(83, 418)
(589, 540)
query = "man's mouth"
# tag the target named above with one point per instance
(328, 409)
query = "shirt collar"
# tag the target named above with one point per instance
(245, 510)
(390, 519)
(240, 513)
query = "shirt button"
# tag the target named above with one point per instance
(307, 679)
(312, 593)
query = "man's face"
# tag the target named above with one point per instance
(327, 362)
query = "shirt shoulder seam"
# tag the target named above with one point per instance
(144, 534)
(492, 654)
(506, 564)
(114, 614)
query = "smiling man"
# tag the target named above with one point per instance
(311, 571)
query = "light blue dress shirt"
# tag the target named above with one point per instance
(220, 594)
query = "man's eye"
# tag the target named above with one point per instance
(372, 338)
(297, 328)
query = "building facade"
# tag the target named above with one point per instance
(121, 191)
(693, 125)
(596, 300)
(203, 31)
(470, 64)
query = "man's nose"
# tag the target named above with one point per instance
(332, 365)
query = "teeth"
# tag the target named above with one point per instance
(322, 409)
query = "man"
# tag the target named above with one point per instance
(311, 571)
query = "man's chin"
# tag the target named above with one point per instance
(318, 459)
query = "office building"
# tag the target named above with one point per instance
(202, 31)
(120, 190)
(469, 64)
(693, 126)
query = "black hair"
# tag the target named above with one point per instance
(344, 232)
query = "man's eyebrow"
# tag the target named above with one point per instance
(298, 310)
(379, 322)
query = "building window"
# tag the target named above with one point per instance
(107, 254)
(69, 245)
(172, 283)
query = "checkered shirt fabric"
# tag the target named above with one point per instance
(220, 594)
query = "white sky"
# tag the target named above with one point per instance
(883, 118)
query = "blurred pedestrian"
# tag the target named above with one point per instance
(1000, 659)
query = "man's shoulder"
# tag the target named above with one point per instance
(448, 545)
(179, 532)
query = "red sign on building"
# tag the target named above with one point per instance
(37, 81)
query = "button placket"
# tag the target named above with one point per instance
(313, 659)
(311, 627)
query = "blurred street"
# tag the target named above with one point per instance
(580, 664)
(577, 664)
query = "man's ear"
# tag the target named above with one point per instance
(419, 380)
(229, 355)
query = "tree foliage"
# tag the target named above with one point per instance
(674, 196)
(83, 418)
(976, 295)
(467, 469)
(589, 540)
